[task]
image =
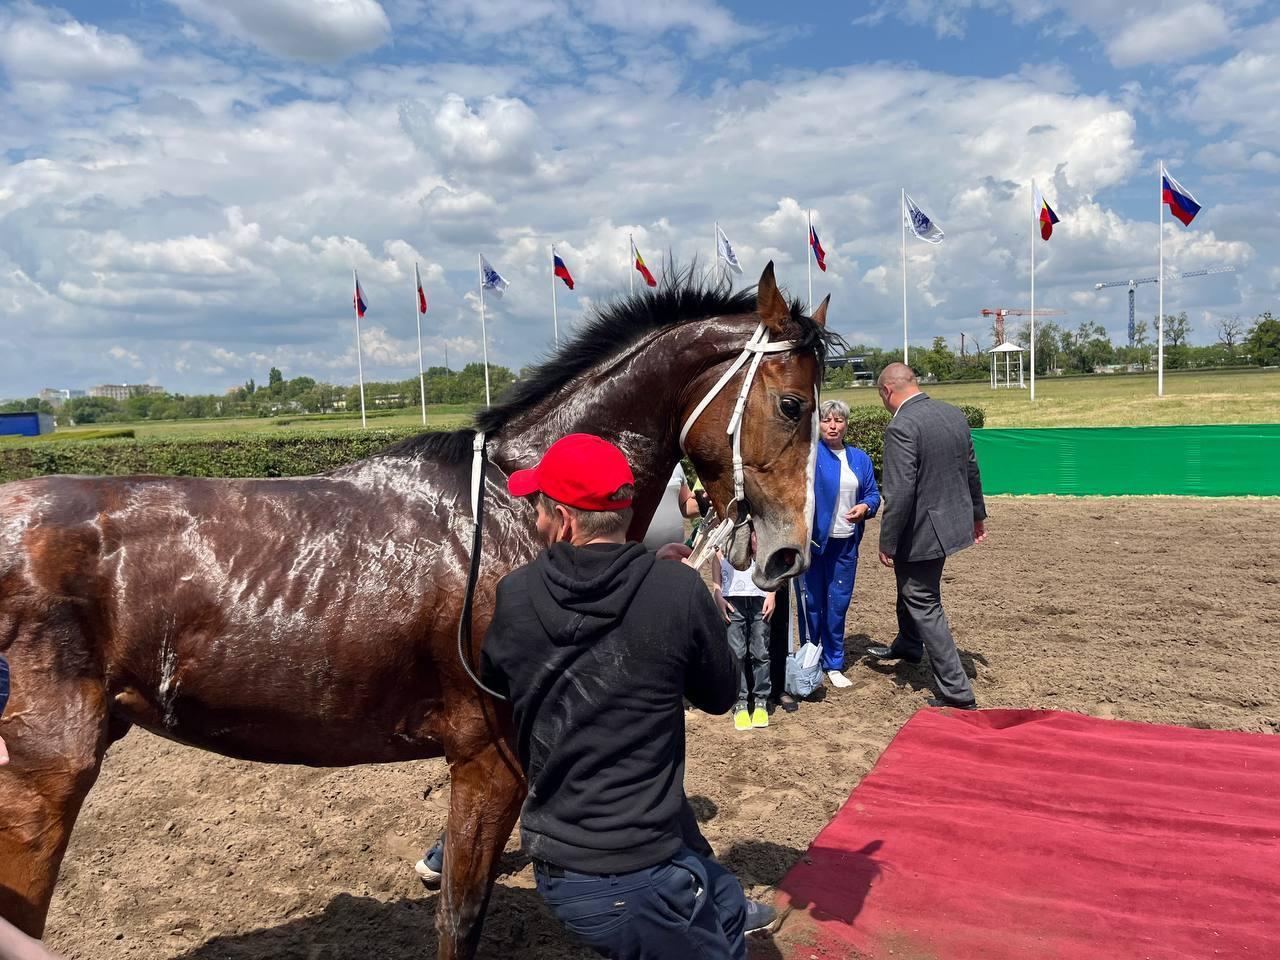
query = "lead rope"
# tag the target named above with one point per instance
(473, 569)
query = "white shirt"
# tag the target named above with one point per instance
(846, 500)
(737, 583)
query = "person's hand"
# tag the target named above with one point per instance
(857, 513)
(770, 602)
(886, 560)
(979, 531)
(725, 606)
(673, 551)
(4, 753)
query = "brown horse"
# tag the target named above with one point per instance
(312, 620)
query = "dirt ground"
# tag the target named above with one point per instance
(1155, 609)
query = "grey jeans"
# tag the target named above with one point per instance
(749, 634)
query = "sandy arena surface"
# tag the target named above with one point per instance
(1162, 610)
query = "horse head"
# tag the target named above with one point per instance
(768, 492)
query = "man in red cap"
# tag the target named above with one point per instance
(597, 643)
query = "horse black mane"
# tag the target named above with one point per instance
(682, 295)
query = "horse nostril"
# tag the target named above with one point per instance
(782, 563)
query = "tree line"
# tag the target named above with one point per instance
(1084, 349)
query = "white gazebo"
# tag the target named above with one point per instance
(1007, 349)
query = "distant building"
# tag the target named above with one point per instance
(57, 396)
(123, 391)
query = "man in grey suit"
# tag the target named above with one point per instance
(934, 508)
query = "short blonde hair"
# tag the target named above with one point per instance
(838, 407)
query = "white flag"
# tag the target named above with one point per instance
(920, 224)
(724, 250)
(493, 280)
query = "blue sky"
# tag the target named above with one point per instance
(185, 185)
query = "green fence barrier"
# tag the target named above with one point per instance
(1211, 461)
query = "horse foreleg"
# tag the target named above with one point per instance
(485, 799)
(56, 731)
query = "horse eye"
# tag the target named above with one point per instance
(791, 408)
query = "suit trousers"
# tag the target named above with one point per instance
(923, 626)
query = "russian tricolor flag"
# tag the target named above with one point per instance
(818, 252)
(358, 299)
(562, 271)
(1181, 203)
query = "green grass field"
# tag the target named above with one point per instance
(1247, 396)
(1218, 397)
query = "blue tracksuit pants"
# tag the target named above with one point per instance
(828, 588)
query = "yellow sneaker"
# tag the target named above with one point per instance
(760, 717)
(741, 719)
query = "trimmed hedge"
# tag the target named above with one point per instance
(285, 454)
(245, 455)
(106, 433)
(867, 426)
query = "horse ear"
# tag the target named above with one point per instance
(820, 315)
(770, 304)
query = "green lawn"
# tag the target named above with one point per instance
(1248, 396)
(457, 415)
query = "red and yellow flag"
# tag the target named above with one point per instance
(644, 271)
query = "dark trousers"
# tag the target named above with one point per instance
(688, 906)
(923, 626)
(749, 634)
(828, 587)
(4, 683)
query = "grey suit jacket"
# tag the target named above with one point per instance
(932, 490)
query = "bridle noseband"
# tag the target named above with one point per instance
(713, 532)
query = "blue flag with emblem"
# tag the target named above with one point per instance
(920, 224)
(493, 280)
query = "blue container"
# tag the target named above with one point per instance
(29, 424)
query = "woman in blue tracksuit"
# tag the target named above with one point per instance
(4, 699)
(845, 494)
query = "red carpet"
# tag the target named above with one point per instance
(1038, 835)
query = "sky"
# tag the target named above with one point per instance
(187, 185)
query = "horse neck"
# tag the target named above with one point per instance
(634, 399)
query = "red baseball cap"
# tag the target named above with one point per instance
(579, 470)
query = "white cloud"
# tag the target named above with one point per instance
(214, 222)
(35, 46)
(1164, 36)
(1164, 31)
(316, 31)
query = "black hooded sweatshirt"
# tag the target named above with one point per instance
(596, 646)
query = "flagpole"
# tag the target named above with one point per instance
(902, 212)
(359, 357)
(1033, 288)
(715, 243)
(1160, 285)
(484, 336)
(631, 272)
(555, 317)
(808, 259)
(417, 316)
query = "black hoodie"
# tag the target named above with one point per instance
(596, 647)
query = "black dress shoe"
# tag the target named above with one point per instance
(888, 653)
(939, 702)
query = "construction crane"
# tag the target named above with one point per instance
(1131, 284)
(1001, 312)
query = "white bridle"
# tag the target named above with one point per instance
(714, 532)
